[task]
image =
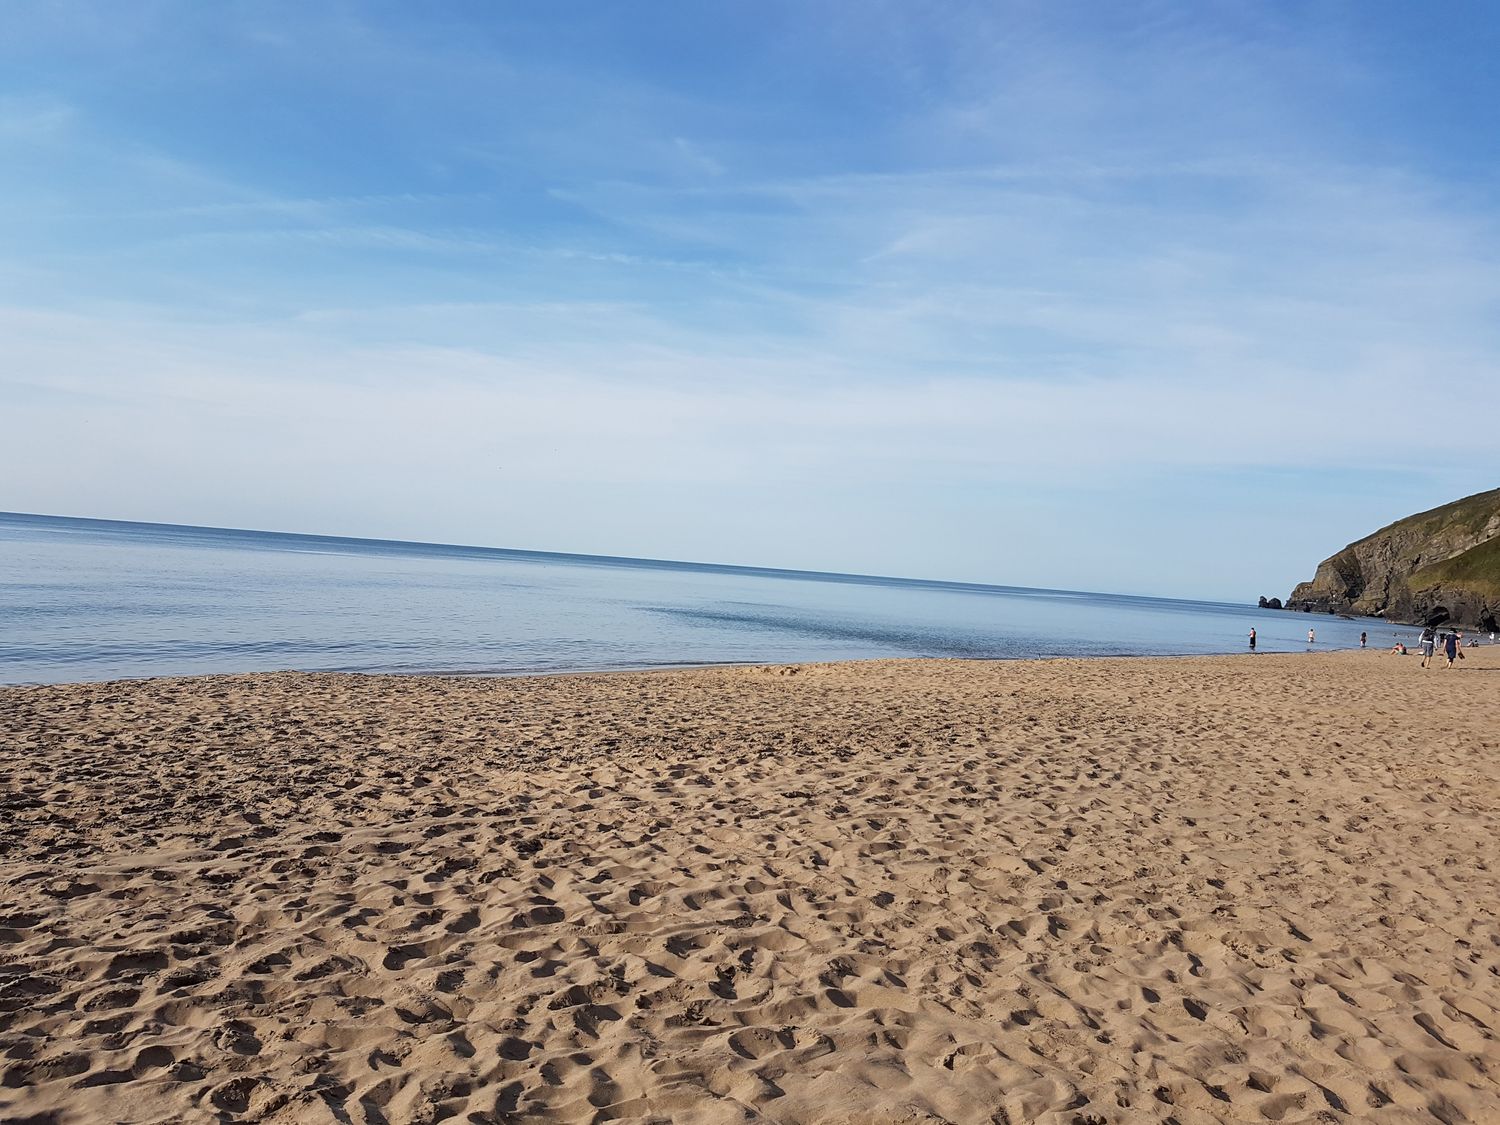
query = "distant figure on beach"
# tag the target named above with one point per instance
(1450, 648)
(1311, 639)
(1252, 640)
(1361, 639)
(1428, 642)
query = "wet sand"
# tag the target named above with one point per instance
(1200, 890)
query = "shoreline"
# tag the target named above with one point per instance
(1321, 649)
(1199, 889)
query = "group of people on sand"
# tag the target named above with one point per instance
(1452, 642)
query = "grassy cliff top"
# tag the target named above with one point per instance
(1469, 514)
(1477, 569)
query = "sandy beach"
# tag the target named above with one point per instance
(1197, 890)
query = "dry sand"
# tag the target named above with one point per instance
(1228, 889)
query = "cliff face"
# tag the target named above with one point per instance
(1437, 566)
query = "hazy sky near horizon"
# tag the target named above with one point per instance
(1170, 298)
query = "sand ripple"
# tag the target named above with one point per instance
(1231, 889)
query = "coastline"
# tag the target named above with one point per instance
(1294, 649)
(1137, 888)
(429, 609)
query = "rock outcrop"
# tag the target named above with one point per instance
(1431, 568)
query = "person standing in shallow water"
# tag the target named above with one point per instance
(1361, 639)
(1252, 640)
(1311, 639)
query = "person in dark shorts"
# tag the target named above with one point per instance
(1450, 647)
(1361, 639)
(1252, 640)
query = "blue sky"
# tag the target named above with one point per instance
(1156, 298)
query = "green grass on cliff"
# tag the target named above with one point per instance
(1477, 569)
(1471, 514)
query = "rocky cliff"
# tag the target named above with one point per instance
(1434, 567)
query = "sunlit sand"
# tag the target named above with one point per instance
(1210, 889)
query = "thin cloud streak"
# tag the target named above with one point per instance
(648, 415)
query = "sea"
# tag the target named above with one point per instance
(85, 599)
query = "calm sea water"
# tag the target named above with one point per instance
(96, 599)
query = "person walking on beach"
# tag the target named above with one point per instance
(1428, 642)
(1252, 640)
(1311, 639)
(1450, 647)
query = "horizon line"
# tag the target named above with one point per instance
(580, 556)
